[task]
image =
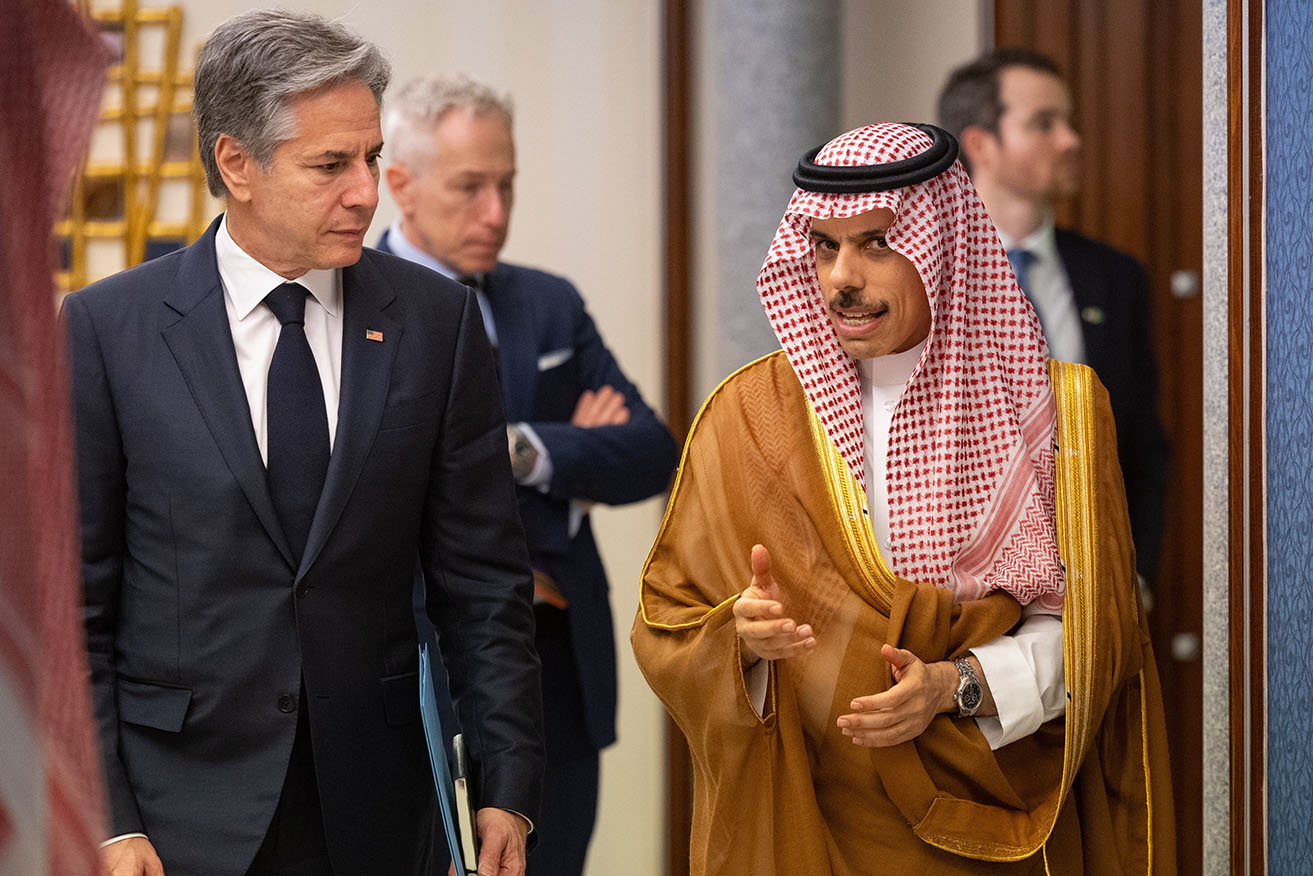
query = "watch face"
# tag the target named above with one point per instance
(969, 697)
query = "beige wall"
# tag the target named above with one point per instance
(585, 76)
(896, 55)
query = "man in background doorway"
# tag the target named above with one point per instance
(1012, 112)
(579, 431)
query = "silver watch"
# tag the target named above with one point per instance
(968, 695)
(523, 454)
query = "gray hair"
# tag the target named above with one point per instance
(420, 106)
(256, 63)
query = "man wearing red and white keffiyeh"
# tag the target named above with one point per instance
(940, 555)
(926, 365)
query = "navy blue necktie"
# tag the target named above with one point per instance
(297, 420)
(474, 282)
(1021, 260)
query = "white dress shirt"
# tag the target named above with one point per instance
(255, 329)
(1049, 289)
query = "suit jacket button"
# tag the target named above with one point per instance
(303, 591)
(287, 703)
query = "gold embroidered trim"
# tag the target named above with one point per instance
(1148, 786)
(674, 491)
(1074, 503)
(848, 499)
(1074, 500)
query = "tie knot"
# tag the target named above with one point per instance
(288, 303)
(471, 280)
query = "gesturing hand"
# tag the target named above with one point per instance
(920, 691)
(759, 617)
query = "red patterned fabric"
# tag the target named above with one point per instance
(52, 71)
(970, 460)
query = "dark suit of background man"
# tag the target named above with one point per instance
(1011, 110)
(580, 432)
(250, 624)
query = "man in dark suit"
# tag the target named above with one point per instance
(580, 432)
(275, 435)
(1011, 111)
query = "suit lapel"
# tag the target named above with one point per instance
(1090, 292)
(370, 339)
(517, 350)
(1072, 264)
(201, 343)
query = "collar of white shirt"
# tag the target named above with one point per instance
(247, 282)
(402, 247)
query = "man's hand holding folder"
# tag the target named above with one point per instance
(494, 838)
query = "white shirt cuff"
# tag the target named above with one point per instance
(757, 679)
(1024, 673)
(578, 508)
(122, 836)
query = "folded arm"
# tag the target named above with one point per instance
(614, 449)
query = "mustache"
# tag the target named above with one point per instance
(850, 299)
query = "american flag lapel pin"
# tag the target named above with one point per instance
(372, 335)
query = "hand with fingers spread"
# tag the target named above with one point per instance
(760, 621)
(603, 407)
(920, 691)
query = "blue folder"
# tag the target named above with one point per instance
(442, 781)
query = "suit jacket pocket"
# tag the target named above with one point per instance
(401, 697)
(153, 705)
(555, 358)
(409, 411)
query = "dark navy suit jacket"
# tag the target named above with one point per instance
(201, 631)
(550, 352)
(1112, 296)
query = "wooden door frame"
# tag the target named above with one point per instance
(677, 149)
(1244, 648)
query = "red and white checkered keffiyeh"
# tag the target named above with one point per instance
(970, 461)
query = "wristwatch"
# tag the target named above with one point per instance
(968, 694)
(523, 454)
